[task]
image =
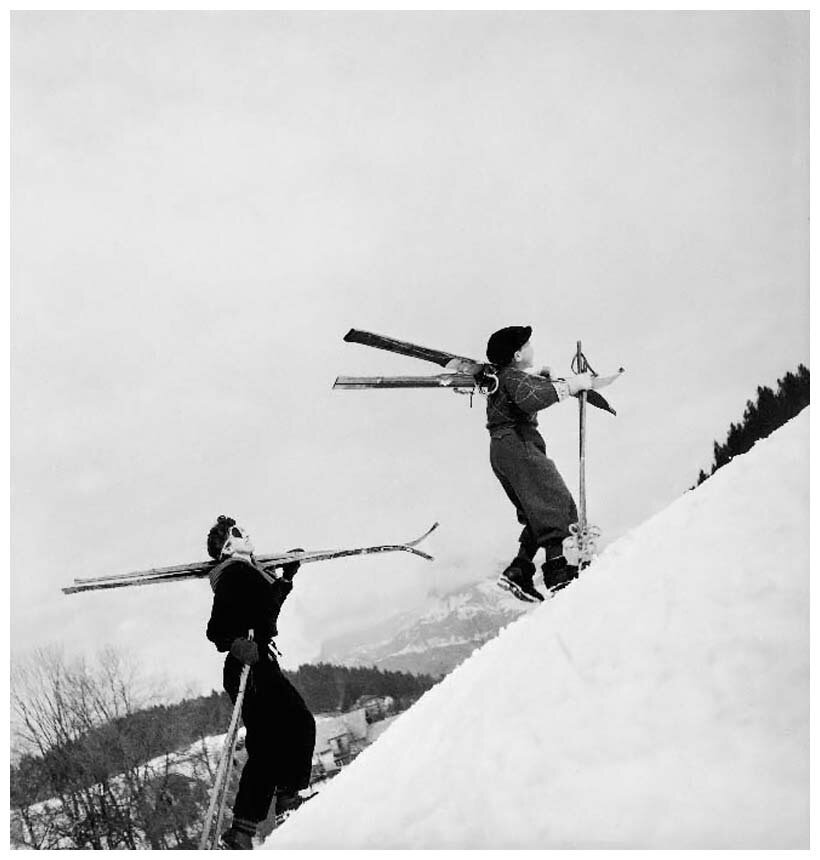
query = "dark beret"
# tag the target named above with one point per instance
(505, 342)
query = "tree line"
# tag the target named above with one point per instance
(102, 766)
(770, 410)
(326, 687)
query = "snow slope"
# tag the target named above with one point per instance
(662, 701)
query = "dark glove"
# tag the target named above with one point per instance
(245, 651)
(289, 570)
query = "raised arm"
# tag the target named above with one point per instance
(532, 393)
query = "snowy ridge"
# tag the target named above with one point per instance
(659, 702)
(433, 639)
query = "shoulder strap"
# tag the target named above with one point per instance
(216, 573)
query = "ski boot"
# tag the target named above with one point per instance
(288, 801)
(239, 836)
(517, 579)
(558, 573)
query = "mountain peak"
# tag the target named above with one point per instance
(434, 638)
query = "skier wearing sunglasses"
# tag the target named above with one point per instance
(280, 729)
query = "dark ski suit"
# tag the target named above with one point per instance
(280, 730)
(519, 460)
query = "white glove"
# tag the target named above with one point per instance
(603, 381)
(587, 382)
(579, 382)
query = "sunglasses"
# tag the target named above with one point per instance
(238, 532)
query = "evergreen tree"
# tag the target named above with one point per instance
(762, 417)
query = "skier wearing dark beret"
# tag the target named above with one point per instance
(519, 460)
(280, 729)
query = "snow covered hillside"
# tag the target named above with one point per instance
(661, 701)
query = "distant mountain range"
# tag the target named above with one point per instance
(433, 639)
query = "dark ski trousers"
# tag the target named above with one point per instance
(543, 503)
(280, 736)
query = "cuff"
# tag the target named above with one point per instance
(561, 388)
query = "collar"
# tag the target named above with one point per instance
(216, 573)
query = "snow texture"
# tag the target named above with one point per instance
(662, 701)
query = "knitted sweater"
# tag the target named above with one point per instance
(245, 598)
(518, 397)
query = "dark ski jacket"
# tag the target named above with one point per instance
(245, 597)
(518, 397)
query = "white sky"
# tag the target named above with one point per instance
(204, 203)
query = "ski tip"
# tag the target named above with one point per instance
(350, 335)
(426, 534)
(410, 546)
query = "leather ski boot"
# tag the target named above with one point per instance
(558, 573)
(239, 836)
(517, 578)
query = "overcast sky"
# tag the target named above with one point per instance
(204, 203)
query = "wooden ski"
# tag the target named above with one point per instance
(456, 363)
(443, 380)
(198, 570)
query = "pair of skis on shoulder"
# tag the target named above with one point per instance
(463, 374)
(201, 569)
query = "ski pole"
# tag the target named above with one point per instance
(585, 534)
(582, 367)
(216, 807)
